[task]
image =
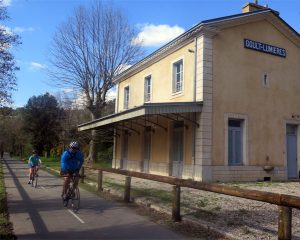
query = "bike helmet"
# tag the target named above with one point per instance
(74, 144)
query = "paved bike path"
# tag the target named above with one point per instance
(37, 213)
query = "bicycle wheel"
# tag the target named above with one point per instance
(75, 199)
(32, 180)
(35, 181)
(65, 198)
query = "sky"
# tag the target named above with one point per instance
(157, 22)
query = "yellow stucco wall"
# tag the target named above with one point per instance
(237, 88)
(160, 144)
(135, 146)
(188, 142)
(161, 73)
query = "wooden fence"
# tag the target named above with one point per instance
(285, 202)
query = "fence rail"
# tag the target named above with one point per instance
(285, 202)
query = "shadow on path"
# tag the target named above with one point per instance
(38, 223)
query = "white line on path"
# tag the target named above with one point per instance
(78, 218)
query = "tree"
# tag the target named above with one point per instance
(88, 51)
(7, 61)
(42, 121)
(11, 124)
(74, 114)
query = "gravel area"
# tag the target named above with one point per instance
(236, 218)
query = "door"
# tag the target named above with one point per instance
(291, 147)
(235, 138)
(124, 158)
(147, 149)
(177, 149)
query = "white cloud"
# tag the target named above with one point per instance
(6, 3)
(6, 29)
(157, 35)
(111, 94)
(22, 29)
(37, 66)
(68, 90)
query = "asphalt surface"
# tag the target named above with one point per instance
(38, 213)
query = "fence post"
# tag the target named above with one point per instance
(82, 174)
(284, 223)
(127, 189)
(100, 177)
(176, 204)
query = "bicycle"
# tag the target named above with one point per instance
(34, 178)
(73, 193)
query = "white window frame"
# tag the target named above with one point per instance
(174, 93)
(126, 100)
(150, 93)
(244, 122)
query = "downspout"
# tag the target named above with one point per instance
(195, 68)
(115, 148)
(117, 99)
(194, 114)
(115, 130)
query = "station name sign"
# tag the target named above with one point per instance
(265, 48)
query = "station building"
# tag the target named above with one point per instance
(221, 102)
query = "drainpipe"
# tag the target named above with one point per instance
(195, 68)
(115, 148)
(115, 130)
(117, 99)
(194, 114)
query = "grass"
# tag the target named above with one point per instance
(53, 163)
(6, 230)
(202, 202)
(163, 196)
(102, 164)
(254, 184)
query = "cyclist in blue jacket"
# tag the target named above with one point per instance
(71, 162)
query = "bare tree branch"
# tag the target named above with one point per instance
(90, 49)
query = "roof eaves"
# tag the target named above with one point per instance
(194, 30)
(161, 50)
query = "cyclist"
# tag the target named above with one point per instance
(33, 162)
(71, 162)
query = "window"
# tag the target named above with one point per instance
(147, 88)
(177, 76)
(235, 141)
(126, 97)
(291, 129)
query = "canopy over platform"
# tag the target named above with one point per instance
(148, 109)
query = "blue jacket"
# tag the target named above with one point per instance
(71, 161)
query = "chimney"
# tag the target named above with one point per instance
(249, 7)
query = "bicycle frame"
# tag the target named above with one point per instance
(72, 193)
(34, 177)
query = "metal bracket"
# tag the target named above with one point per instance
(173, 119)
(120, 129)
(130, 128)
(185, 118)
(156, 124)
